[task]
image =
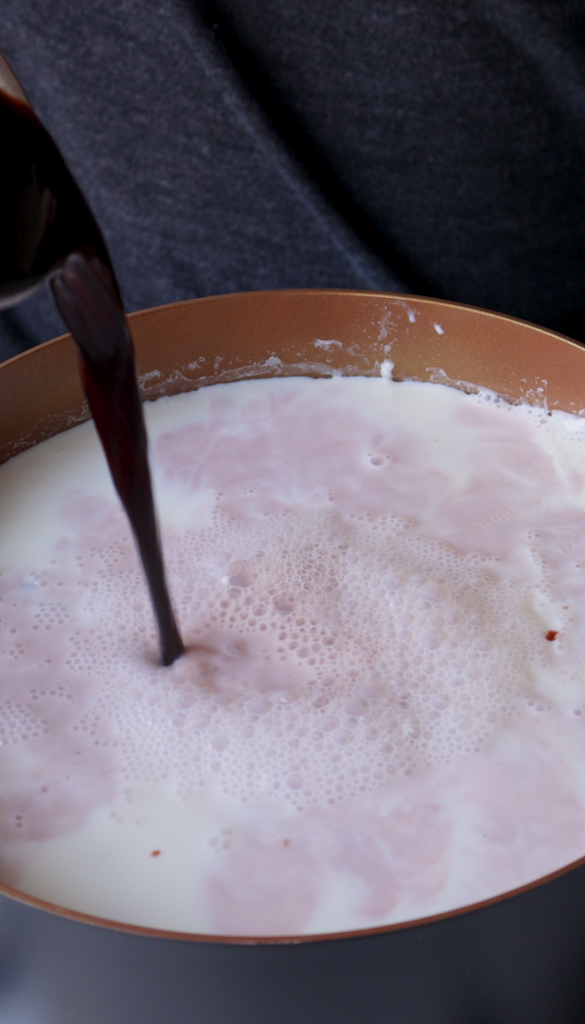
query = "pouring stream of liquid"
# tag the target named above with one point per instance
(48, 233)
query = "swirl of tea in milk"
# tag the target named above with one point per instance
(382, 591)
(331, 647)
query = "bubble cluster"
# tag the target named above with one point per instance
(327, 655)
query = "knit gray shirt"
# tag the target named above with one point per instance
(435, 146)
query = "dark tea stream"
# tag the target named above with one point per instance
(49, 234)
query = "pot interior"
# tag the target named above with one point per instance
(184, 346)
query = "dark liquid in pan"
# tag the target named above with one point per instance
(48, 230)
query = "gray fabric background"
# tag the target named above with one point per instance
(433, 145)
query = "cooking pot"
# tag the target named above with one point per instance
(515, 959)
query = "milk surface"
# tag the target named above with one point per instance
(381, 714)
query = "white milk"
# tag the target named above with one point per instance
(381, 713)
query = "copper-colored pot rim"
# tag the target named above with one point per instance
(406, 297)
(143, 318)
